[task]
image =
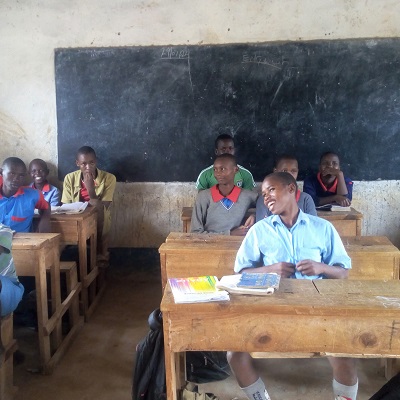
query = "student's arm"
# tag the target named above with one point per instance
(248, 180)
(341, 196)
(55, 199)
(310, 267)
(199, 214)
(310, 188)
(67, 193)
(44, 223)
(308, 204)
(44, 212)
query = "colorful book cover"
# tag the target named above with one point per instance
(196, 289)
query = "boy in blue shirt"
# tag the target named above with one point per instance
(299, 246)
(287, 163)
(329, 185)
(18, 202)
(39, 172)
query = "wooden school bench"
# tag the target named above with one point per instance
(36, 254)
(78, 229)
(190, 254)
(304, 317)
(347, 223)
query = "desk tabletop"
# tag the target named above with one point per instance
(89, 211)
(305, 297)
(188, 241)
(31, 241)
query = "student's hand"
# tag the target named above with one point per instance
(250, 221)
(239, 231)
(284, 269)
(88, 179)
(310, 267)
(342, 200)
(331, 171)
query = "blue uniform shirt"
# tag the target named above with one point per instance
(311, 238)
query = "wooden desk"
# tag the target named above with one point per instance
(183, 255)
(33, 253)
(77, 229)
(327, 317)
(347, 223)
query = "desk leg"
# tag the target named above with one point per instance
(170, 363)
(56, 296)
(83, 265)
(42, 313)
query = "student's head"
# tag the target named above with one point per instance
(14, 173)
(224, 144)
(287, 163)
(38, 171)
(6, 235)
(328, 160)
(279, 192)
(225, 168)
(86, 159)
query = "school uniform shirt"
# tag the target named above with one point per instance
(11, 289)
(304, 201)
(243, 179)
(214, 213)
(311, 238)
(17, 211)
(73, 184)
(104, 185)
(50, 193)
(315, 188)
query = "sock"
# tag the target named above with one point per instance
(343, 392)
(256, 391)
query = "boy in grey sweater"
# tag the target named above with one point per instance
(222, 208)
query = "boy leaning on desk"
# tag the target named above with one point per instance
(298, 246)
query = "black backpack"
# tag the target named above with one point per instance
(389, 391)
(149, 373)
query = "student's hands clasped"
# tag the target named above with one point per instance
(342, 200)
(310, 267)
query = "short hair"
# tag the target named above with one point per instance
(227, 156)
(327, 153)
(85, 150)
(39, 161)
(284, 177)
(13, 161)
(281, 157)
(223, 136)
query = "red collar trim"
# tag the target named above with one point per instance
(332, 189)
(46, 187)
(17, 193)
(232, 196)
(298, 195)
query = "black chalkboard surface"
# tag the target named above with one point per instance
(152, 113)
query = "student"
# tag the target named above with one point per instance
(222, 208)
(287, 163)
(18, 202)
(39, 172)
(11, 290)
(299, 246)
(329, 185)
(224, 144)
(96, 187)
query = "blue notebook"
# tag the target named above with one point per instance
(254, 280)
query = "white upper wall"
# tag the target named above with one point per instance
(31, 30)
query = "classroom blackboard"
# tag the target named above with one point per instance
(152, 113)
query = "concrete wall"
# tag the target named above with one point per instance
(144, 213)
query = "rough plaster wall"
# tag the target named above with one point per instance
(31, 30)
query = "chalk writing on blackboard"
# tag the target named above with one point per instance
(258, 59)
(171, 53)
